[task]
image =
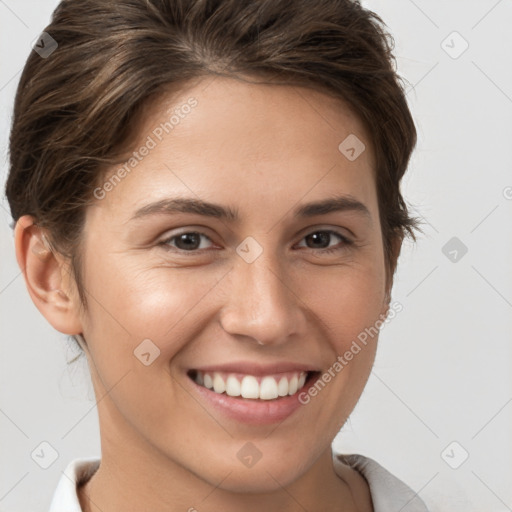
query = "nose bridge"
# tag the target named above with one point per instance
(261, 303)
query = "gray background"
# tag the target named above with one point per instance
(443, 368)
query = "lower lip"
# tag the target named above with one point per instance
(253, 411)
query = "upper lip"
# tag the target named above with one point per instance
(252, 368)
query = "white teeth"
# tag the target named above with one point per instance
(208, 383)
(292, 386)
(250, 387)
(282, 387)
(268, 389)
(219, 386)
(232, 386)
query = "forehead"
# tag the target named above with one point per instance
(239, 109)
(240, 141)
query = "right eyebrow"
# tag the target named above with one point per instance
(186, 205)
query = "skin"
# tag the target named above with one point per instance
(264, 150)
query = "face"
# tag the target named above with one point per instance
(270, 290)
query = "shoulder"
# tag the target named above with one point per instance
(386, 490)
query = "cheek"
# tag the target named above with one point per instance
(137, 311)
(348, 301)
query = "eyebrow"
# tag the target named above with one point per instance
(340, 203)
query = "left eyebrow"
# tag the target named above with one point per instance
(338, 203)
(207, 209)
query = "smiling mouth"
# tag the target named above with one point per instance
(266, 387)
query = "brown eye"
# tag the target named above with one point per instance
(188, 241)
(323, 237)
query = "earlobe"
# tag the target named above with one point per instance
(43, 272)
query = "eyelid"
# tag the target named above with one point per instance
(338, 230)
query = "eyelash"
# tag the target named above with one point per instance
(345, 240)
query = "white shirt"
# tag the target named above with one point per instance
(389, 494)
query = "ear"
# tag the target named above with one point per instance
(396, 247)
(47, 277)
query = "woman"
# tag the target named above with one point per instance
(224, 368)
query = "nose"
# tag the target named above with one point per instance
(262, 304)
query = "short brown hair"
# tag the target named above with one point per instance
(75, 109)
